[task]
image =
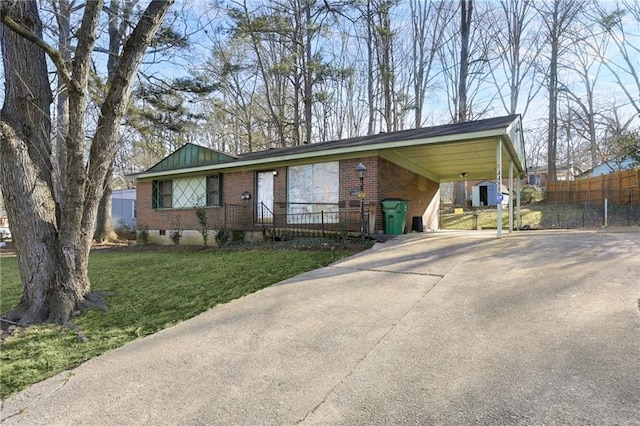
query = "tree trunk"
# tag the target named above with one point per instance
(50, 290)
(308, 78)
(465, 30)
(104, 225)
(63, 17)
(52, 244)
(552, 134)
(370, 77)
(466, 11)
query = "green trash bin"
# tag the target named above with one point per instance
(395, 215)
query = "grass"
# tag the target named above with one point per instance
(146, 292)
(546, 216)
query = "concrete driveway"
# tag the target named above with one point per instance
(440, 328)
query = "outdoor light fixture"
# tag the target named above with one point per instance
(246, 195)
(463, 174)
(275, 173)
(360, 171)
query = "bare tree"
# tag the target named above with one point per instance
(557, 17)
(584, 62)
(518, 46)
(53, 238)
(626, 71)
(428, 23)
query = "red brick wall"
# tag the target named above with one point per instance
(165, 218)
(383, 179)
(398, 182)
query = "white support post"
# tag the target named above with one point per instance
(499, 188)
(519, 196)
(510, 195)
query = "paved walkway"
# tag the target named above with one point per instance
(436, 328)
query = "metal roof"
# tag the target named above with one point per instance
(441, 153)
(191, 155)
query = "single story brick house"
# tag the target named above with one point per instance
(317, 187)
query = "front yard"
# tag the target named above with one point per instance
(147, 290)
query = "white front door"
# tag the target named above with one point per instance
(264, 198)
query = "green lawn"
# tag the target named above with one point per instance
(146, 292)
(546, 216)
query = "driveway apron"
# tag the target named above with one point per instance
(433, 328)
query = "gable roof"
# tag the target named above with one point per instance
(440, 153)
(191, 155)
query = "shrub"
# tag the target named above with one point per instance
(125, 232)
(531, 194)
(143, 234)
(201, 213)
(223, 237)
(176, 234)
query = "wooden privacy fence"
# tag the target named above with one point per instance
(619, 188)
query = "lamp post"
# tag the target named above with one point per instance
(360, 171)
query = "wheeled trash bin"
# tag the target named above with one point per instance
(395, 215)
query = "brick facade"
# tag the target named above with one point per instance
(383, 179)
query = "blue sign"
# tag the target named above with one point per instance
(500, 198)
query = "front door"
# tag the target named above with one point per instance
(264, 198)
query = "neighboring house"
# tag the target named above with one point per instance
(317, 186)
(539, 176)
(536, 176)
(123, 208)
(607, 168)
(484, 193)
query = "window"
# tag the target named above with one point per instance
(314, 188)
(213, 190)
(162, 194)
(189, 192)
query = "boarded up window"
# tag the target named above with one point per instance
(187, 192)
(314, 193)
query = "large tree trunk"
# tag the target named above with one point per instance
(50, 292)
(52, 243)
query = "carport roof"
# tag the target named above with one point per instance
(441, 153)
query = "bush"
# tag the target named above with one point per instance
(531, 194)
(143, 234)
(223, 237)
(201, 213)
(125, 232)
(176, 234)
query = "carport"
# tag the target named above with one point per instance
(490, 149)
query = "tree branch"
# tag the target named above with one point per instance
(55, 56)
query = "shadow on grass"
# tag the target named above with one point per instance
(147, 289)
